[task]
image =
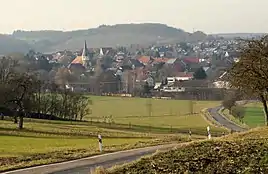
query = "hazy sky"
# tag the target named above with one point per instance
(210, 16)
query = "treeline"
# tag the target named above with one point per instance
(24, 94)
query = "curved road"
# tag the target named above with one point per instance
(214, 112)
(84, 166)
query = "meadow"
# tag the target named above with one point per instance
(43, 142)
(129, 125)
(254, 116)
(158, 115)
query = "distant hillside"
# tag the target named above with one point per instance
(9, 44)
(120, 34)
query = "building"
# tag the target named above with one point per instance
(81, 63)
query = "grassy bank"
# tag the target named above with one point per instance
(232, 118)
(237, 153)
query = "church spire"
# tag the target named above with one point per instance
(101, 52)
(85, 56)
(85, 50)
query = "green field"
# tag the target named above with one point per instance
(166, 115)
(45, 141)
(254, 116)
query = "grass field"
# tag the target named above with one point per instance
(254, 116)
(166, 115)
(45, 141)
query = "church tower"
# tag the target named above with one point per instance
(85, 56)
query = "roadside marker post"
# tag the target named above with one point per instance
(190, 133)
(208, 130)
(100, 142)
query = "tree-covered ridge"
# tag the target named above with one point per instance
(104, 35)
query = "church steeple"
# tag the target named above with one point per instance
(85, 50)
(85, 55)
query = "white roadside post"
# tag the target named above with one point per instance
(208, 130)
(100, 142)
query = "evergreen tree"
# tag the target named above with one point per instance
(200, 74)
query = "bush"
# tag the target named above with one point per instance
(230, 99)
(238, 112)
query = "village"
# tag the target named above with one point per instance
(166, 69)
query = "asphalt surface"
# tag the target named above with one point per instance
(107, 164)
(214, 112)
(86, 165)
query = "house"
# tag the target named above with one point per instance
(221, 84)
(184, 76)
(193, 84)
(145, 60)
(176, 65)
(191, 60)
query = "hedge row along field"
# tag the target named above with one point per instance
(230, 155)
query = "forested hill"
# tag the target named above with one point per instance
(120, 34)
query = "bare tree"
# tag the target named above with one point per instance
(22, 90)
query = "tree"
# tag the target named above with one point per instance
(238, 112)
(200, 74)
(157, 54)
(146, 89)
(22, 89)
(250, 74)
(63, 77)
(230, 100)
(184, 46)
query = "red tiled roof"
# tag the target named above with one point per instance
(158, 60)
(183, 74)
(144, 59)
(191, 60)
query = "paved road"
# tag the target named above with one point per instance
(85, 165)
(223, 121)
(107, 164)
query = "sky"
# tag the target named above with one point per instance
(209, 16)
